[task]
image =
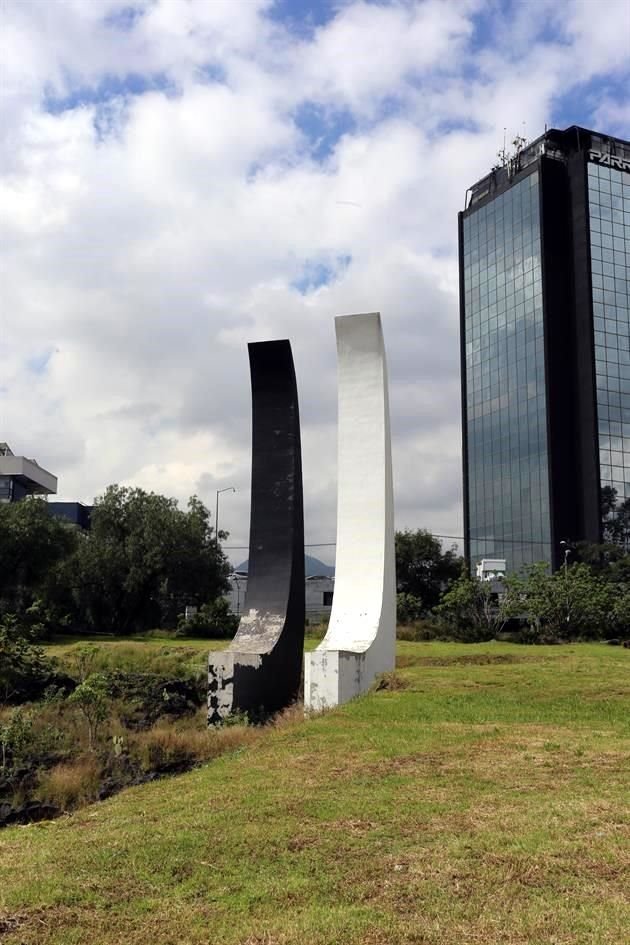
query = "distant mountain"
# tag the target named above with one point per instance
(312, 567)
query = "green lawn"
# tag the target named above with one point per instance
(485, 803)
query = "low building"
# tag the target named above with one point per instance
(319, 596)
(237, 591)
(493, 570)
(74, 512)
(319, 591)
(21, 477)
(489, 569)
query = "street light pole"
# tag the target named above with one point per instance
(567, 551)
(216, 515)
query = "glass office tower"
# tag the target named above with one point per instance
(544, 270)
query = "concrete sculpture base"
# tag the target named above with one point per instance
(361, 638)
(259, 673)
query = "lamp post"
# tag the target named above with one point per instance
(567, 551)
(216, 516)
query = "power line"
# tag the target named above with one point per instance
(321, 544)
(493, 541)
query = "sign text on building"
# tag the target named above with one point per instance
(610, 160)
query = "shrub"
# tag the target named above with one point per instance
(471, 611)
(144, 697)
(16, 739)
(25, 672)
(318, 630)
(427, 628)
(408, 608)
(213, 621)
(571, 603)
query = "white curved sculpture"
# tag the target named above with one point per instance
(361, 638)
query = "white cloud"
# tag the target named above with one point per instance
(148, 235)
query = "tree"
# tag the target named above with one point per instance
(33, 545)
(472, 610)
(92, 699)
(572, 602)
(143, 559)
(423, 569)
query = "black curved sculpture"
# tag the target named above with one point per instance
(259, 672)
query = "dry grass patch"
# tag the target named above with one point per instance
(390, 682)
(164, 747)
(265, 939)
(71, 783)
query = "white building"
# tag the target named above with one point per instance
(491, 569)
(21, 477)
(319, 594)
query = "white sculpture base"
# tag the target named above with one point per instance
(332, 677)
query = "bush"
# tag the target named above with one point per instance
(213, 621)
(28, 741)
(408, 608)
(573, 603)
(427, 628)
(16, 739)
(25, 672)
(145, 697)
(471, 611)
(317, 631)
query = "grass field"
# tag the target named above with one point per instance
(484, 801)
(156, 654)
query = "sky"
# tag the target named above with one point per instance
(181, 177)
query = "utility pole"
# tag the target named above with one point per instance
(216, 514)
(567, 551)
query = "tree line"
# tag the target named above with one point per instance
(589, 598)
(143, 560)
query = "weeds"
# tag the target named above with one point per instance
(389, 681)
(71, 783)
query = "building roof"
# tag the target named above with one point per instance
(554, 143)
(35, 479)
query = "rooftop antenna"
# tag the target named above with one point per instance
(502, 154)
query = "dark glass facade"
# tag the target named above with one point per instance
(11, 490)
(609, 217)
(505, 378)
(545, 331)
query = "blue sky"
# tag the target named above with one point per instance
(179, 177)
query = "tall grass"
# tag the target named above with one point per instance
(71, 783)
